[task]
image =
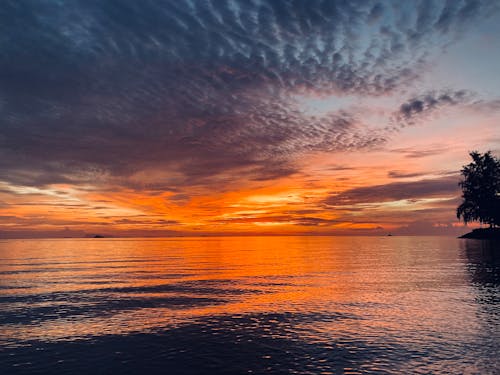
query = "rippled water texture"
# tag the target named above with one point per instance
(279, 305)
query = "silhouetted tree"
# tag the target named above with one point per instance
(481, 190)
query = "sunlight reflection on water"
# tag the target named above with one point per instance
(252, 304)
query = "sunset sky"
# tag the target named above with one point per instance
(158, 118)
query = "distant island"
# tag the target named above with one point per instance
(483, 234)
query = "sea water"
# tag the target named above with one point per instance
(240, 305)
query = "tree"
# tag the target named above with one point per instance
(481, 190)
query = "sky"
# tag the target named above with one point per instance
(225, 117)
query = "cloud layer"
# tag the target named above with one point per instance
(417, 108)
(163, 94)
(396, 191)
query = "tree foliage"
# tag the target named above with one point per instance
(481, 190)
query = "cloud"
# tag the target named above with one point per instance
(179, 199)
(146, 222)
(169, 94)
(307, 221)
(417, 153)
(424, 227)
(417, 108)
(483, 105)
(400, 174)
(314, 221)
(395, 191)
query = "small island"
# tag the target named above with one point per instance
(481, 195)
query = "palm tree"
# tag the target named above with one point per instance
(481, 190)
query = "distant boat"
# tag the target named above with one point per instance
(98, 236)
(389, 235)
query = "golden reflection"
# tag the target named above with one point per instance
(97, 286)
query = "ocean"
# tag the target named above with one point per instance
(250, 305)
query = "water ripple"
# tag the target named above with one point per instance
(289, 305)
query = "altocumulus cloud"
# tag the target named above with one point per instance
(416, 108)
(194, 91)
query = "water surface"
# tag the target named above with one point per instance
(278, 305)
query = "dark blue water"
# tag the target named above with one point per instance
(277, 305)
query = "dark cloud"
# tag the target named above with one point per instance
(400, 174)
(414, 153)
(486, 106)
(179, 199)
(314, 221)
(94, 91)
(244, 219)
(338, 168)
(146, 222)
(304, 212)
(416, 108)
(286, 219)
(439, 187)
